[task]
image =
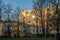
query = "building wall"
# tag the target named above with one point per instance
(27, 18)
(0, 29)
(48, 17)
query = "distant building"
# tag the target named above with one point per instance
(12, 28)
(30, 22)
(33, 17)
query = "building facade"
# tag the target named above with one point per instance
(31, 22)
(33, 17)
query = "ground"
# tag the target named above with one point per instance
(27, 38)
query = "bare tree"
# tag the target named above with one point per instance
(56, 3)
(16, 17)
(38, 5)
(7, 10)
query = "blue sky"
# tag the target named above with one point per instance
(28, 4)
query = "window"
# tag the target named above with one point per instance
(40, 29)
(33, 29)
(26, 12)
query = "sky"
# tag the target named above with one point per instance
(28, 4)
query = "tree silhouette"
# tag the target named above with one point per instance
(39, 5)
(57, 15)
(7, 10)
(16, 17)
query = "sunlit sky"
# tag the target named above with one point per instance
(28, 4)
